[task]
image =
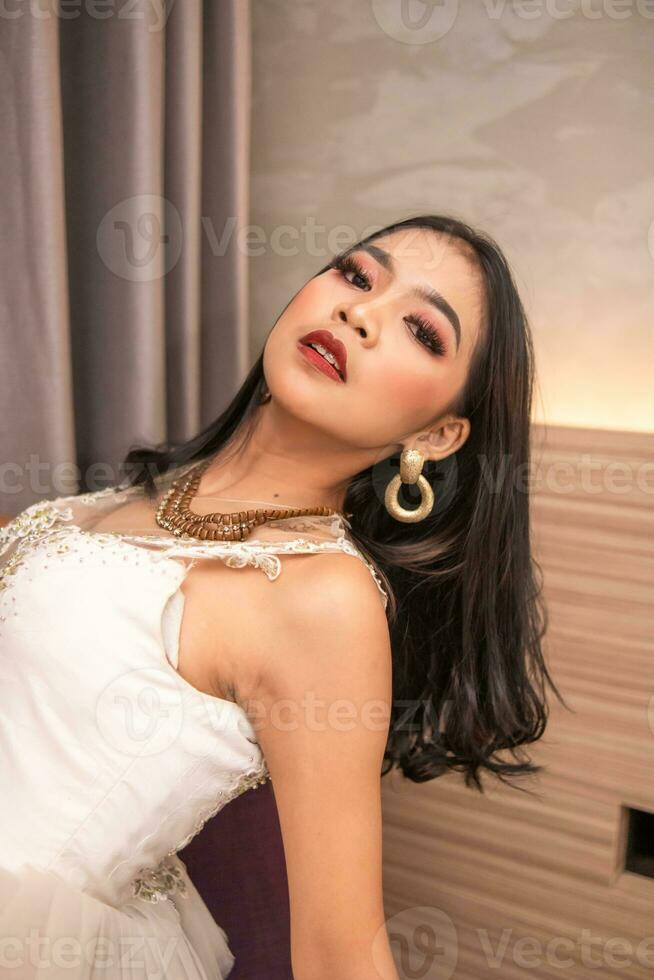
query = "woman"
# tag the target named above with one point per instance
(423, 654)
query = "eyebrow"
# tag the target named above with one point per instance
(426, 294)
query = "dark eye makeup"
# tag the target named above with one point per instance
(426, 335)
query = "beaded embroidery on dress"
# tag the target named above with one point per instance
(115, 762)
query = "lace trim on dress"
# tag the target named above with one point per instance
(30, 526)
(44, 518)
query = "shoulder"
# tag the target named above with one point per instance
(327, 631)
(330, 599)
(337, 578)
(322, 702)
(322, 617)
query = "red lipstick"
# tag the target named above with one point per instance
(330, 344)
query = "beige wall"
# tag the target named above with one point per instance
(539, 128)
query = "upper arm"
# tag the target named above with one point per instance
(323, 703)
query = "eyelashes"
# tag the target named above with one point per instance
(430, 338)
(425, 333)
(348, 263)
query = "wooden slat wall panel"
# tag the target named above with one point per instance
(506, 865)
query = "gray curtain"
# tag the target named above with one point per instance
(124, 149)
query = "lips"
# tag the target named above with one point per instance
(330, 343)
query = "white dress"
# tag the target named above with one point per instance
(111, 762)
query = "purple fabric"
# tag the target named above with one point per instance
(237, 864)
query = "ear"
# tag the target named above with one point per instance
(443, 439)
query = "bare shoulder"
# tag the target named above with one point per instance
(237, 619)
(327, 661)
(330, 608)
(336, 576)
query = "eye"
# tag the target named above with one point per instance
(347, 264)
(427, 335)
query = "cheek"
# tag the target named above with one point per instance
(307, 306)
(405, 393)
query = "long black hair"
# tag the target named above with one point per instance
(466, 612)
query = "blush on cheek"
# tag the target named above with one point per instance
(406, 395)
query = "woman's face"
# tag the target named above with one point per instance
(407, 359)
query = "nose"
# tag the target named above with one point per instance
(362, 317)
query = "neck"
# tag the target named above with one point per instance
(280, 461)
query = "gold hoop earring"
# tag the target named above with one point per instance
(411, 462)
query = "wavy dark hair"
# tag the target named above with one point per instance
(466, 613)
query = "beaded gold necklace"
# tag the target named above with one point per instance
(175, 515)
